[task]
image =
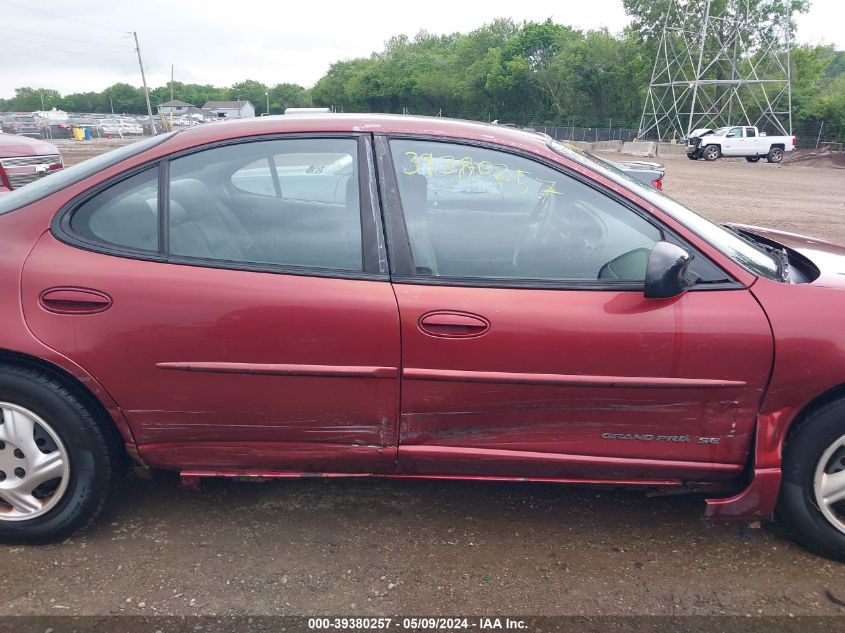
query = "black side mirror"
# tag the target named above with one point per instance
(666, 272)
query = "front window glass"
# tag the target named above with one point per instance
(742, 251)
(478, 213)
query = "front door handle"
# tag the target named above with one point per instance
(67, 300)
(448, 324)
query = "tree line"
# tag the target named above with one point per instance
(538, 73)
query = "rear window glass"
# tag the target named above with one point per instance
(65, 177)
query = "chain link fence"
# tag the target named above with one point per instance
(809, 135)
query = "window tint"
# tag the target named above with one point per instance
(750, 131)
(125, 215)
(269, 202)
(478, 213)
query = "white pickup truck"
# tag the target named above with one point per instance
(742, 140)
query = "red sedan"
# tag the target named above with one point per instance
(408, 297)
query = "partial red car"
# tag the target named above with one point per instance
(408, 297)
(24, 160)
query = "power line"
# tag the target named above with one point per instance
(58, 37)
(64, 17)
(58, 50)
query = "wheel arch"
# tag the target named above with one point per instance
(774, 430)
(822, 400)
(111, 417)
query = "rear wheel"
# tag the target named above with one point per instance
(57, 463)
(712, 152)
(775, 155)
(752, 159)
(812, 500)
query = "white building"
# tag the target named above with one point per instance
(231, 109)
(176, 108)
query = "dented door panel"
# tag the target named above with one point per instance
(583, 373)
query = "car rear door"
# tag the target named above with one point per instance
(238, 327)
(529, 349)
(753, 143)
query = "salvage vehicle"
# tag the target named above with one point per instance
(54, 124)
(647, 172)
(739, 140)
(22, 124)
(24, 160)
(580, 328)
(121, 126)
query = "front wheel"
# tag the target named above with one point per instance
(57, 462)
(711, 152)
(775, 155)
(812, 498)
(752, 159)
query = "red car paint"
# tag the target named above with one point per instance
(223, 372)
(24, 159)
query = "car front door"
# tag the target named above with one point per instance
(529, 349)
(236, 310)
(733, 144)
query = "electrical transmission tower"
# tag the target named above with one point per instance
(720, 63)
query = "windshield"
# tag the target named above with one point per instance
(722, 131)
(65, 177)
(742, 251)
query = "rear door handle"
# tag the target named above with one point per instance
(67, 300)
(447, 324)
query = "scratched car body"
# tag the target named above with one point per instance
(408, 297)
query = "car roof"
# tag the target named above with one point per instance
(372, 123)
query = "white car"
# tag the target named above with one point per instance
(741, 140)
(131, 126)
(120, 126)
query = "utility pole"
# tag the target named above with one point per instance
(171, 96)
(146, 90)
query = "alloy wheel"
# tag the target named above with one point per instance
(34, 465)
(829, 484)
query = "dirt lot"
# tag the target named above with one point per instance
(807, 198)
(404, 547)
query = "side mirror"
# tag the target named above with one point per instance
(666, 271)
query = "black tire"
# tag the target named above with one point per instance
(775, 155)
(797, 505)
(692, 156)
(752, 159)
(95, 456)
(712, 152)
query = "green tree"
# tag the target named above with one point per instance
(287, 95)
(124, 99)
(28, 99)
(250, 90)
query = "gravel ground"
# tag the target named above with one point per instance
(435, 547)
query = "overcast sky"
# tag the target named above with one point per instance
(81, 45)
